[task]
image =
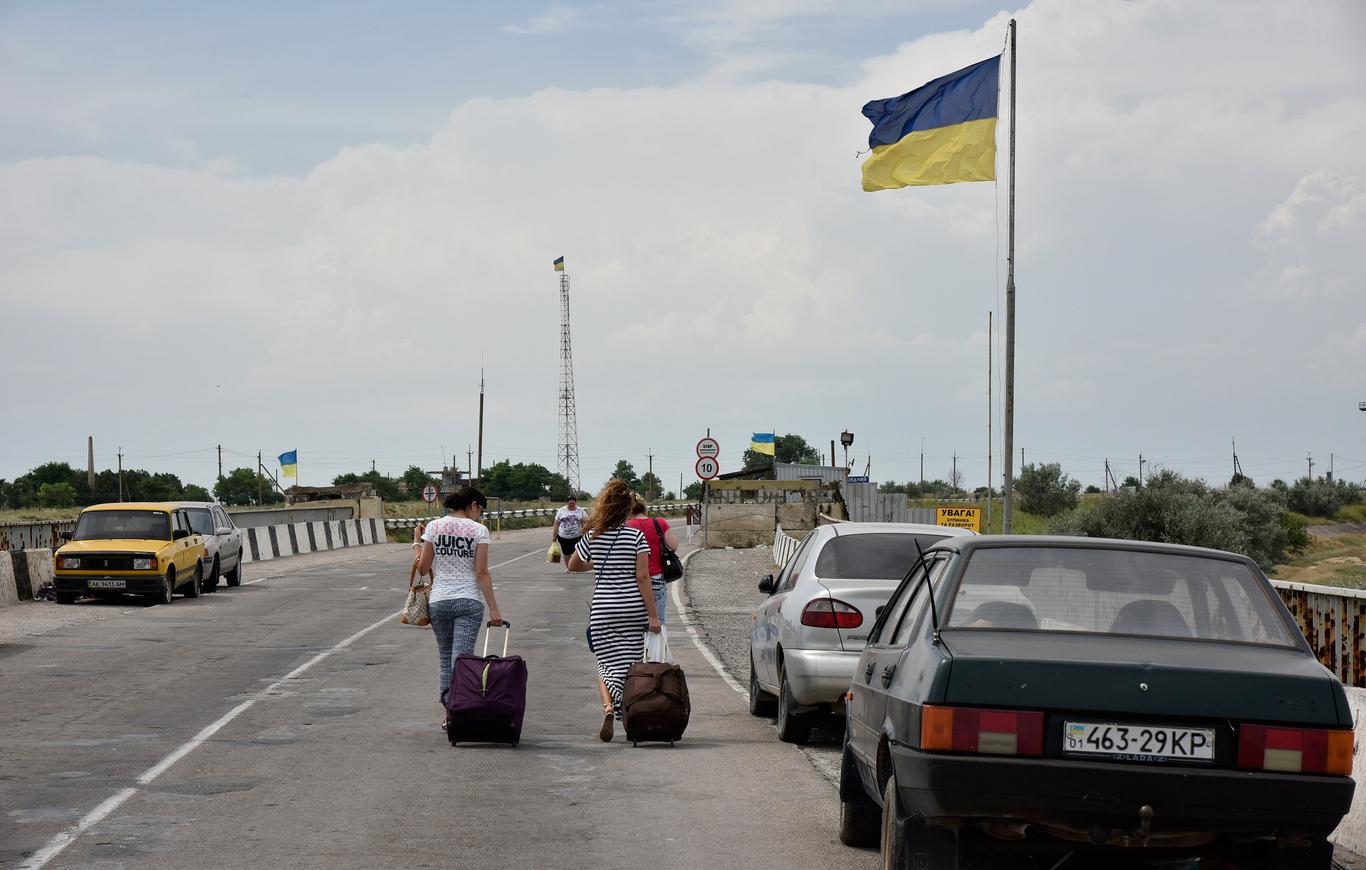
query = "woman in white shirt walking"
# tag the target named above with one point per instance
(455, 550)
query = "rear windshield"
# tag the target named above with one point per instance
(1116, 592)
(881, 556)
(201, 520)
(139, 525)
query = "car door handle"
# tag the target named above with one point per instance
(887, 675)
(868, 672)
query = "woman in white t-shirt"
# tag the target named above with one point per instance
(455, 550)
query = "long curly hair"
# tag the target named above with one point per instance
(611, 508)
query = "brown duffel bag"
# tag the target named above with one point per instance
(655, 703)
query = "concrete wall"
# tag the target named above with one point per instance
(282, 540)
(9, 593)
(740, 525)
(22, 574)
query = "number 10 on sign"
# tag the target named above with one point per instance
(707, 468)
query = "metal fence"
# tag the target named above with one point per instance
(866, 505)
(34, 536)
(409, 522)
(1332, 619)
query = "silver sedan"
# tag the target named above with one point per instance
(809, 632)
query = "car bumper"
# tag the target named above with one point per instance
(139, 583)
(1081, 794)
(819, 676)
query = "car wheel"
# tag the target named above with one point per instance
(211, 585)
(196, 582)
(67, 597)
(893, 835)
(235, 575)
(859, 819)
(167, 592)
(792, 726)
(760, 702)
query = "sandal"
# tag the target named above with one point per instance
(608, 718)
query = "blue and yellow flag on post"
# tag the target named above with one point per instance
(939, 133)
(559, 264)
(289, 464)
(763, 442)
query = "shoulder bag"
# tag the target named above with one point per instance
(415, 611)
(668, 559)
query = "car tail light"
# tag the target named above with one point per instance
(831, 613)
(1295, 750)
(992, 732)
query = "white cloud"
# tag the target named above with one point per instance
(553, 20)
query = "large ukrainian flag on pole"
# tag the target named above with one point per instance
(939, 133)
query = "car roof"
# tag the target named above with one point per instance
(987, 542)
(841, 529)
(193, 504)
(132, 506)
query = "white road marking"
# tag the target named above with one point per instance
(697, 638)
(58, 843)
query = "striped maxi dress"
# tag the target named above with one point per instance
(617, 617)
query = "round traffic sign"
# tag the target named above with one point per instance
(429, 493)
(708, 447)
(707, 468)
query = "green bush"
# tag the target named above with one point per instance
(1045, 490)
(1322, 497)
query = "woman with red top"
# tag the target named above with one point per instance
(653, 528)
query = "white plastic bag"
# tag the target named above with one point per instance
(657, 647)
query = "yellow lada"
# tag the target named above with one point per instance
(145, 548)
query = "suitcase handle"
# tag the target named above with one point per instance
(507, 632)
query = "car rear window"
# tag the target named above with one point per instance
(1116, 592)
(137, 525)
(201, 520)
(878, 556)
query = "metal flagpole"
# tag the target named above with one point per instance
(989, 487)
(1010, 310)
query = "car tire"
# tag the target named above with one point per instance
(761, 703)
(235, 575)
(893, 829)
(211, 585)
(859, 819)
(67, 597)
(793, 727)
(166, 594)
(196, 582)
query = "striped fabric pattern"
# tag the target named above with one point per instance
(617, 617)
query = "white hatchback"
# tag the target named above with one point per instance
(809, 632)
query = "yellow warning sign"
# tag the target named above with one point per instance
(960, 518)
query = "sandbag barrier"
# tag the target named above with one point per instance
(265, 543)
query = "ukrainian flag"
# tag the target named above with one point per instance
(939, 133)
(559, 264)
(763, 442)
(289, 464)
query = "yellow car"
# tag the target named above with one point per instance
(147, 548)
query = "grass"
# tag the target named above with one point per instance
(1339, 561)
(38, 515)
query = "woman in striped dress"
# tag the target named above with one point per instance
(623, 607)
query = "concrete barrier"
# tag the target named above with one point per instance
(284, 544)
(302, 542)
(39, 572)
(9, 593)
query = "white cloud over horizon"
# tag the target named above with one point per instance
(1190, 201)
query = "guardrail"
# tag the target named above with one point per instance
(409, 522)
(34, 536)
(784, 545)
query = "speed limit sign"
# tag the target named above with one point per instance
(429, 493)
(707, 468)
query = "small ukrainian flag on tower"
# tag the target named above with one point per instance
(559, 264)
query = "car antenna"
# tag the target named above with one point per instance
(934, 609)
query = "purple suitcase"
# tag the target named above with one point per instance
(487, 697)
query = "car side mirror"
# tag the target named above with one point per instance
(66, 536)
(179, 534)
(766, 584)
(223, 531)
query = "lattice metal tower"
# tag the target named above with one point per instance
(569, 427)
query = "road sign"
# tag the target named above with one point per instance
(707, 468)
(708, 447)
(429, 493)
(858, 478)
(960, 518)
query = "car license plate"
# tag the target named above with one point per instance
(1138, 742)
(106, 583)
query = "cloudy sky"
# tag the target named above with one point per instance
(270, 228)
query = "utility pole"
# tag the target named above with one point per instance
(260, 483)
(953, 480)
(220, 461)
(90, 463)
(372, 465)
(1140, 469)
(1310, 459)
(832, 452)
(1330, 467)
(120, 472)
(649, 493)
(469, 462)
(989, 341)
(922, 464)
(479, 474)
(1006, 524)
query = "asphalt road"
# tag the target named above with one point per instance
(294, 721)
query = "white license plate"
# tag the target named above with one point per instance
(107, 583)
(1138, 742)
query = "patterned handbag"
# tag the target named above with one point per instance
(415, 607)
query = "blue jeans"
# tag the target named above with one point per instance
(661, 591)
(455, 622)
